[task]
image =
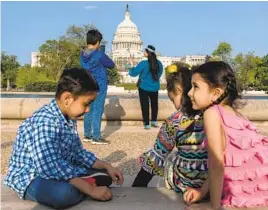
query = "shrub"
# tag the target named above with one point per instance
(41, 87)
(26, 75)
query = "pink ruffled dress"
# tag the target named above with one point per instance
(246, 162)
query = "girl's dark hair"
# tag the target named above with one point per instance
(183, 78)
(77, 81)
(154, 67)
(220, 74)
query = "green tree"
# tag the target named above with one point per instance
(9, 66)
(77, 34)
(223, 51)
(247, 66)
(57, 55)
(113, 76)
(261, 76)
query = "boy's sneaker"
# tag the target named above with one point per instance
(89, 180)
(87, 139)
(147, 127)
(100, 141)
(154, 124)
(100, 178)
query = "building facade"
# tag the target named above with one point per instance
(35, 58)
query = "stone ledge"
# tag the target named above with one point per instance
(155, 197)
(119, 108)
(123, 198)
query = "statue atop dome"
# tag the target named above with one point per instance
(127, 13)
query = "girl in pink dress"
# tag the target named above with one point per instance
(237, 153)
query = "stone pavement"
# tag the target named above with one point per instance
(154, 197)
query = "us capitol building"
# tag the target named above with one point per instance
(127, 42)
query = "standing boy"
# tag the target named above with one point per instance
(96, 62)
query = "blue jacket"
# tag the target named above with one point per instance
(96, 62)
(146, 80)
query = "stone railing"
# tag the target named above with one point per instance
(117, 108)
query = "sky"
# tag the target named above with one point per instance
(174, 28)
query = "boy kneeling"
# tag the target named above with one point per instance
(48, 164)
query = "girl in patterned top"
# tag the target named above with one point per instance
(186, 168)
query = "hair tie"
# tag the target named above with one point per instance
(172, 69)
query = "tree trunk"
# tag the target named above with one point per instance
(8, 85)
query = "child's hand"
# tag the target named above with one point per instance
(116, 175)
(192, 195)
(101, 193)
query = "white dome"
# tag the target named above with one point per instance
(126, 42)
(127, 31)
(127, 25)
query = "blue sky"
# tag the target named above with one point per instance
(174, 28)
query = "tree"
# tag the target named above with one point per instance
(261, 76)
(247, 66)
(77, 35)
(57, 55)
(223, 51)
(9, 66)
(113, 76)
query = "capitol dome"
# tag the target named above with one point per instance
(127, 26)
(127, 42)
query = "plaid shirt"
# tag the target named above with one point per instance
(47, 145)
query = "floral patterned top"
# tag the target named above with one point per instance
(188, 165)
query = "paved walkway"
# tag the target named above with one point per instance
(125, 137)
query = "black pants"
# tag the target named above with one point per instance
(144, 101)
(142, 179)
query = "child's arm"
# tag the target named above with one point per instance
(83, 157)
(216, 141)
(106, 61)
(193, 195)
(115, 173)
(135, 71)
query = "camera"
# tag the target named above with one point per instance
(102, 48)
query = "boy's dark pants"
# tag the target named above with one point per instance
(56, 194)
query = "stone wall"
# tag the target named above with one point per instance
(119, 109)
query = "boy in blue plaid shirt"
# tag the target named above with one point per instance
(48, 161)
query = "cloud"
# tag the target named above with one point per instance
(90, 7)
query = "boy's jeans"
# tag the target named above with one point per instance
(92, 119)
(58, 195)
